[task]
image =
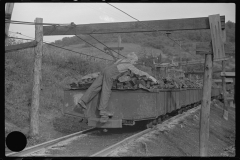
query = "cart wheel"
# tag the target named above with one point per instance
(149, 125)
(154, 122)
(180, 111)
(166, 116)
(159, 120)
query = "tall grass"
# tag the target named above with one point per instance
(58, 71)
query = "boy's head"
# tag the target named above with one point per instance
(132, 57)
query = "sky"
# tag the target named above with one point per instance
(86, 13)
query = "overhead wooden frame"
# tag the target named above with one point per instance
(160, 25)
(228, 74)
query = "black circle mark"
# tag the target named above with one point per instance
(16, 141)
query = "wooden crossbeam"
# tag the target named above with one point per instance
(20, 46)
(227, 80)
(192, 62)
(160, 25)
(218, 36)
(228, 74)
(205, 47)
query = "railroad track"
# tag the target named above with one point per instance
(83, 146)
(107, 151)
(41, 146)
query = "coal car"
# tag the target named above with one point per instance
(130, 106)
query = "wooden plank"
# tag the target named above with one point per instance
(160, 25)
(204, 48)
(217, 36)
(205, 109)
(228, 74)
(225, 107)
(193, 62)
(34, 111)
(20, 46)
(8, 12)
(227, 80)
(202, 61)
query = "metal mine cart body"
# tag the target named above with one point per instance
(129, 106)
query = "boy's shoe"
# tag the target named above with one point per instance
(104, 119)
(105, 113)
(82, 104)
(79, 109)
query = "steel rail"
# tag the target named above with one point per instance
(105, 152)
(38, 147)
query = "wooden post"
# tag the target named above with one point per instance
(8, 13)
(165, 71)
(205, 109)
(119, 43)
(34, 117)
(225, 105)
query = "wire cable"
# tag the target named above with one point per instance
(107, 46)
(92, 45)
(32, 23)
(146, 25)
(45, 41)
(64, 48)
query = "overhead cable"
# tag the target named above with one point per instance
(32, 23)
(147, 26)
(92, 45)
(63, 48)
(107, 46)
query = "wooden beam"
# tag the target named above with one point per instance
(227, 80)
(225, 106)
(205, 109)
(217, 36)
(20, 46)
(34, 111)
(205, 48)
(228, 74)
(8, 13)
(160, 25)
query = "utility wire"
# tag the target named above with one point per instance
(92, 45)
(107, 46)
(63, 48)
(147, 25)
(48, 42)
(32, 23)
(74, 25)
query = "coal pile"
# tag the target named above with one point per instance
(131, 81)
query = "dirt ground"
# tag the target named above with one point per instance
(182, 139)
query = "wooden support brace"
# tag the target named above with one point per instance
(34, 111)
(205, 109)
(228, 74)
(225, 106)
(8, 13)
(20, 46)
(160, 25)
